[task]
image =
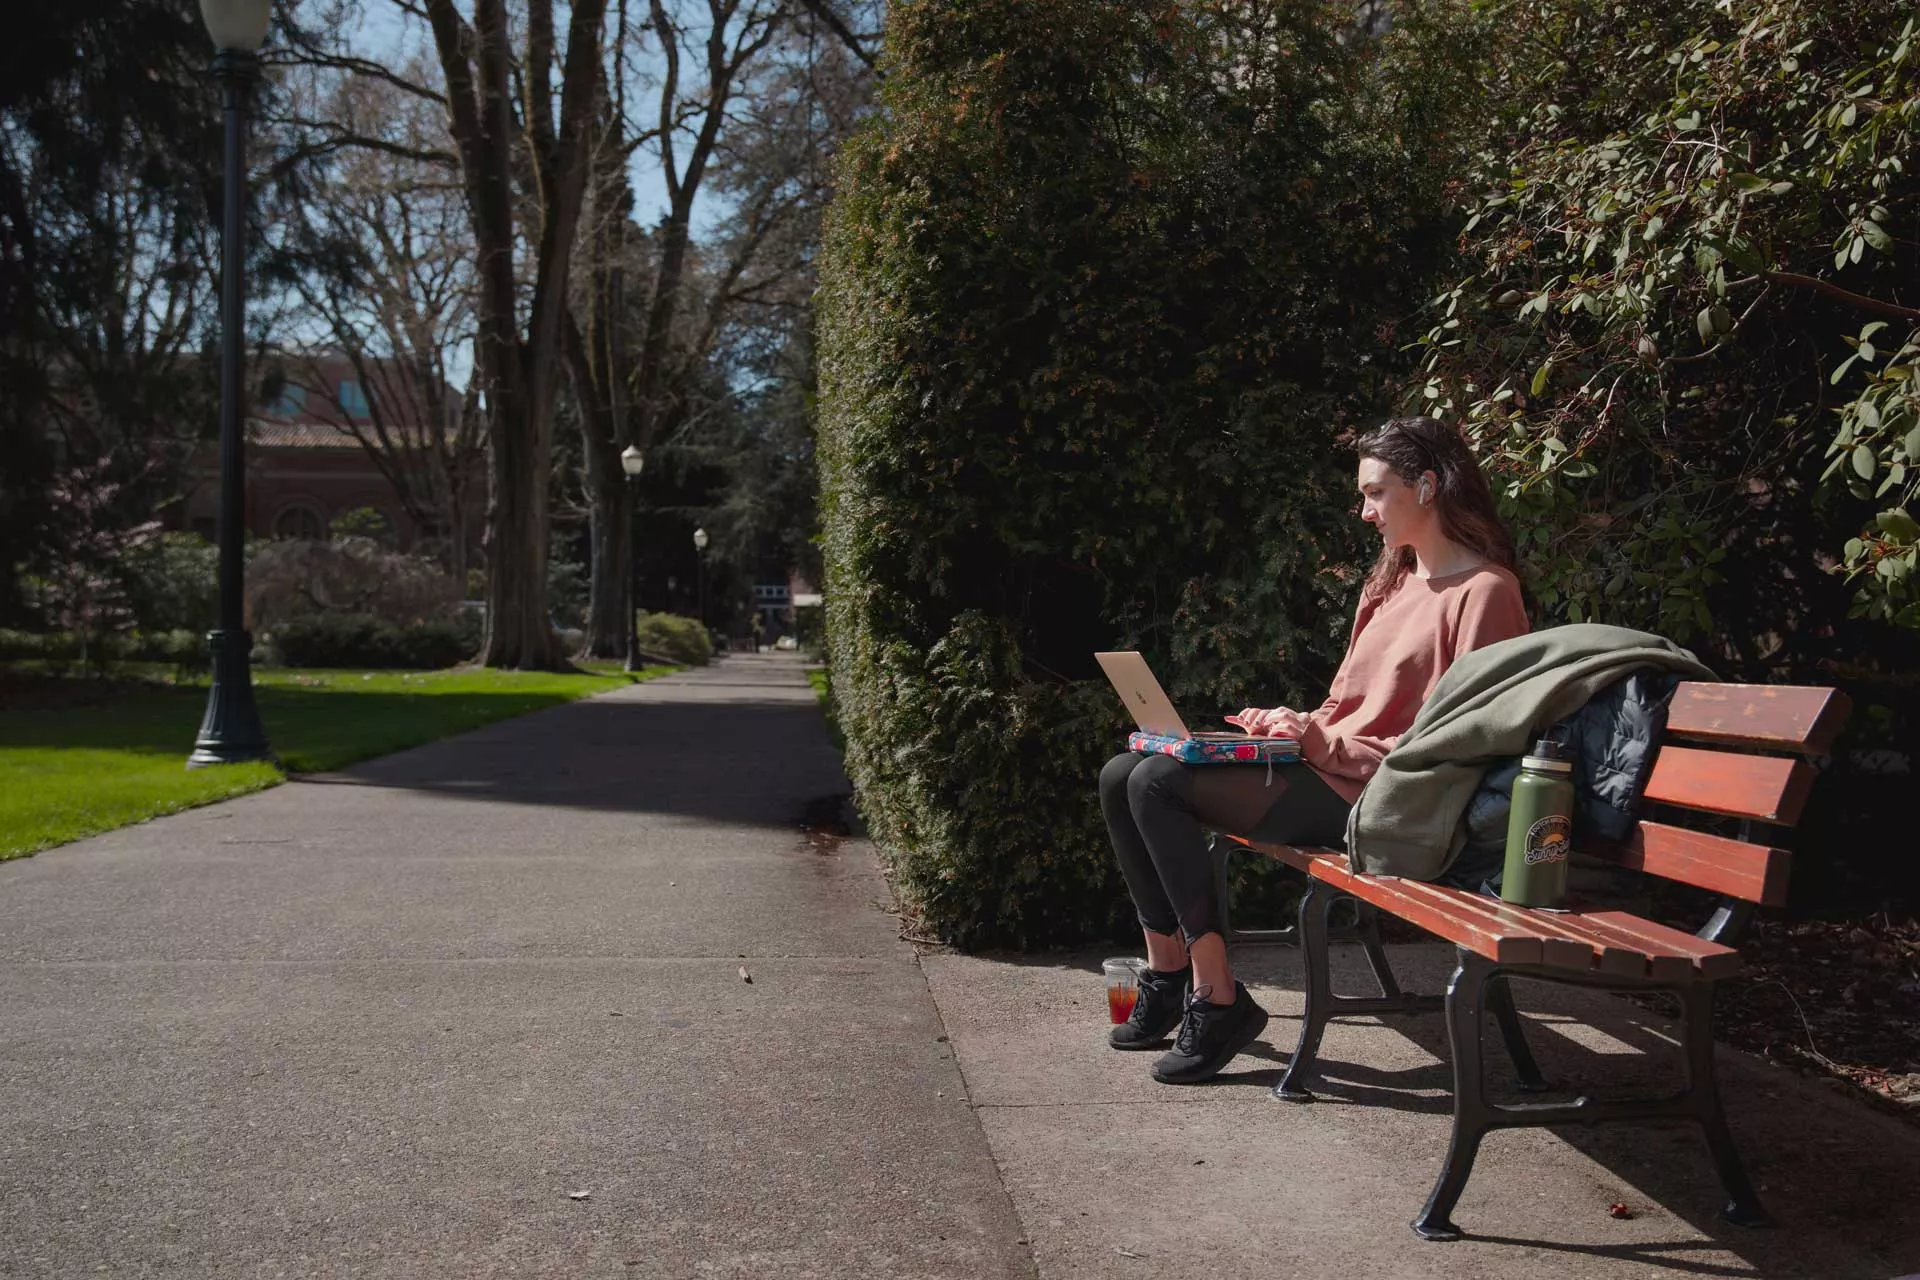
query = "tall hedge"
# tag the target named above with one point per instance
(1103, 288)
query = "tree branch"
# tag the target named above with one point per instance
(1832, 290)
(831, 20)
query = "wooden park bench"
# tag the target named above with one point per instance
(1759, 776)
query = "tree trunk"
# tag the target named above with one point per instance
(520, 633)
(612, 540)
(479, 63)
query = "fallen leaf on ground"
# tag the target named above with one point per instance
(744, 975)
(1619, 1211)
(578, 1195)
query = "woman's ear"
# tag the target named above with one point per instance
(1424, 490)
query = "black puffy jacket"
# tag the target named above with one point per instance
(1614, 738)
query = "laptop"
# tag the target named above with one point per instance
(1154, 714)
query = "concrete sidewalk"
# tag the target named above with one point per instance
(1253, 1186)
(477, 1010)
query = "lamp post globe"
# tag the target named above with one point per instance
(633, 462)
(237, 26)
(230, 732)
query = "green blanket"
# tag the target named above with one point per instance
(1488, 706)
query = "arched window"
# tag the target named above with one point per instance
(299, 522)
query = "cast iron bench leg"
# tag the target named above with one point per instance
(1466, 996)
(1500, 1005)
(1743, 1203)
(1315, 905)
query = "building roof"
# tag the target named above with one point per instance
(278, 433)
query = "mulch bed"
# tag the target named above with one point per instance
(1838, 998)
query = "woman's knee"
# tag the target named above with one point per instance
(1114, 774)
(1158, 780)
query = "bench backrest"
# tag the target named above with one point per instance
(1799, 721)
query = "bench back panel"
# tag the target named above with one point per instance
(1769, 788)
(1772, 717)
(1757, 873)
(1790, 719)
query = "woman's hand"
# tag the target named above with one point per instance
(1277, 722)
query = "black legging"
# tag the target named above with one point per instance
(1157, 810)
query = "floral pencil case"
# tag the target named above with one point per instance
(1231, 750)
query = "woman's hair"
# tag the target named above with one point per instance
(1411, 446)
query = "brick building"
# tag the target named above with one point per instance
(307, 464)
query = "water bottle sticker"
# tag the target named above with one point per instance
(1548, 840)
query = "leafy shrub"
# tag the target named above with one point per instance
(1102, 287)
(186, 651)
(293, 579)
(363, 522)
(361, 640)
(1672, 337)
(45, 646)
(674, 637)
(173, 583)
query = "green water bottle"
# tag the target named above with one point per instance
(1540, 828)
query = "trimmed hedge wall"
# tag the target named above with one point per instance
(1101, 290)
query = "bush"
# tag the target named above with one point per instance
(173, 583)
(1694, 407)
(361, 640)
(1101, 289)
(678, 639)
(287, 580)
(186, 651)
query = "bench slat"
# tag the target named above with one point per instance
(1777, 717)
(1614, 942)
(1563, 945)
(1769, 788)
(1497, 943)
(1712, 960)
(1755, 872)
(1662, 966)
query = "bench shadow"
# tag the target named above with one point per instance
(1835, 1174)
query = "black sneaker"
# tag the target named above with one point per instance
(1156, 1010)
(1210, 1034)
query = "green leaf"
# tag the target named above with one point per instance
(1540, 376)
(1748, 182)
(1704, 323)
(1864, 463)
(1896, 523)
(1912, 444)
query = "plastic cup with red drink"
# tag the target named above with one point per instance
(1123, 986)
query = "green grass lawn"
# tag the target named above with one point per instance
(91, 765)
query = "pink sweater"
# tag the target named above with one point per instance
(1400, 647)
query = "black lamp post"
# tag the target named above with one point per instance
(632, 461)
(700, 565)
(231, 731)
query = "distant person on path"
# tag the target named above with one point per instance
(1443, 585)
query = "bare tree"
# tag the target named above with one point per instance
(390, 280)
(751, 96)
(499, 131)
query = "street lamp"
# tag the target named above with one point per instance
(632, 461)
(231, 732)
(700, 564)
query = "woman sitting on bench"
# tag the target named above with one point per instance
(1443, 585)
